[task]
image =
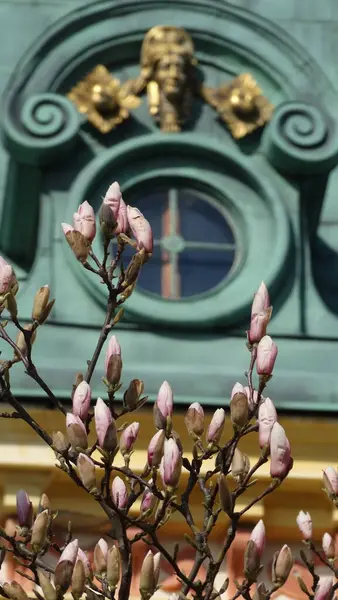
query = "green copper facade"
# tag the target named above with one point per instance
(279, 186)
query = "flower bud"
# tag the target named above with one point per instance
(251, 561)
(60, 443)
(41, 306)
(266, 356)
(81, 400)
(281, 461)
(149, 501)
(86, 564)
(194, 420)
(119, 493)
(109, 210)
(304, 523)
(113, 361)
(100, 556)
(240, 465)
(65, 567)
(328, 546)
(15, 591)
(258, 536)
(84, 221)
(216, 427)
(122, 219)
(24, 509)
(44, 504)
(171, 464)
(239, 406)
(86, 470)
(133, 393)
(163, 407)
(155, 449)
(258, 325)
(49, 592)
(78, 243)
(282, 565)
(113, 567)
(105, 427)
(39, 531)
(330, 480)
(147, 583)
(6, 276)
(252, 400)
(225, 495)
(323, 589)
(76, 432)
(78, 580)
(141, 229)
(157, 567)
(267, 417)
(261, 300)
(128, 438)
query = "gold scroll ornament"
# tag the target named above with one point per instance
(169, 77)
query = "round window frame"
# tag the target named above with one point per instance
(230, 301)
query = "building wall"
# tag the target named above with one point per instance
(314, 24)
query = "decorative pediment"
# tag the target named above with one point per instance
(170, 78)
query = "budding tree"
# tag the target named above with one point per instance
(159, 487)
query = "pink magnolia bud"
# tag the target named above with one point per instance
(39, 530)
(76, 431)
(113, 361)
(119, 493)
(328, 546)
(330, 479)
(24, 509)
(258, 325)
(239, 406)
(113, 198)
(122, 219)
(86, 470)
(6, 276)
(84, 221)
(163, 406)
(100, 556)
(141, 229)
(281, 461)
(267, 417)
(216, 427)
(147, 582)
(266, 356)
(78, 243)
(155, 448)
(171, 464)
(148, 500)
(282, 565)
(81, 400)
(128, 437)
(194, 420)
(157, 567)
(304, 523)
(70, 552)
(258, 537)
(261, 300)
(323, 590)
(105, 426)
(86, 563)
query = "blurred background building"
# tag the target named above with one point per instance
(222, 128)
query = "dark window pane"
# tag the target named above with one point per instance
(150, 278)
(200, 221)
(201, 271)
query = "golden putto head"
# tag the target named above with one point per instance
(162, 40)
